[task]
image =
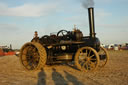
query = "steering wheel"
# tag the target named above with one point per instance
(62, 33)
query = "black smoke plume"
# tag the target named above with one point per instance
(87, 3)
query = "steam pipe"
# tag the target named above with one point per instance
(91, 22)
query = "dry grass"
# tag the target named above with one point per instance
(114, 73)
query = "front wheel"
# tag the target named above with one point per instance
(86, 59)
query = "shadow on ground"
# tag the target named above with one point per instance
(58, 78)
(41, 78)
(72, 79)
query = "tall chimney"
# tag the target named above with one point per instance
(91, 22)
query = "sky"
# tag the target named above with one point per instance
(20, 18)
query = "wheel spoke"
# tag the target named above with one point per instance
(81, 57)
(93, 59)
(30, 62)
(92, 65)
(92, 56)
(89, 53)
(81, 62)
(85, 66)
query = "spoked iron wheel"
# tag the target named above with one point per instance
(86, 59)
(104, 57)
(62, 33)
(33, 56)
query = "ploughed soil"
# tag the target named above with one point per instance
(114, 73)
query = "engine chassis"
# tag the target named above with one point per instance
(64, 50)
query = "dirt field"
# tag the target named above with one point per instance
(114, 73)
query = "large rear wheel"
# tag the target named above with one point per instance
(86, 59)
(33, 56)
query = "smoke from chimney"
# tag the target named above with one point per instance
(87, 3)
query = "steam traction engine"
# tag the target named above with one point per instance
(65, 46)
